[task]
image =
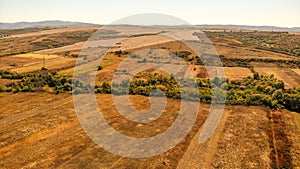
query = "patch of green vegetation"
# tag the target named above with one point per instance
(183, 54)
(29, 44)
(85, 70)
(280, 42)
(106, 63)
(36, 82)
(9, 32)
(239, 62)
(258, 90)
(119, 53)
(242, 62)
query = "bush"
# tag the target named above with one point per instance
(2, 88)
(256, 76)
(135, 56)
(78, 90)
(44, 68)
(106, 88)
(292, 101)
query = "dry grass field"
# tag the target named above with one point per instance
(8, 81)
(233, 51)
(26, 44)
(76, 46)
(297, 71)
(30, 62)
(290, 76)
(230, 72)
(43, 131)
(53, 31)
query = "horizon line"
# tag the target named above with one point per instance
(198, 24)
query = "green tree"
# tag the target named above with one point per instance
(106, 88)
(256, 76)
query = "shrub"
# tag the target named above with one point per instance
(2, 88)
(256, 76)
(292, 101)
(135, 56)
(78, 90)
(44, 68)
(106, 88)
(118, 53)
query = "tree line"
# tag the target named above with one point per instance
(258, 90)
(30, 82)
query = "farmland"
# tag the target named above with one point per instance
(55, 138)
(40, 129)
(281, 42)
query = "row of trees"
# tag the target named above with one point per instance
(240, 62)
(256, 90)
(37, 82)
(216, 60)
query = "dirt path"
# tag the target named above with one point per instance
(280, 144)
(274, 152)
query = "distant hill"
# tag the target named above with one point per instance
(52, 23)
(246, 27)
(58, 23)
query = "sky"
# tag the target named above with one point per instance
(284, 13)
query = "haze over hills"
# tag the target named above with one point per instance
(249, 27)
(40, 24)
(58, 23)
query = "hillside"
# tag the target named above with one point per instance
(250, 27)
(51, 23)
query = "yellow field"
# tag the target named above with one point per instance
(37, 56)
(237, 72)
(230, 72)
(55, 64)
(28, 60)
(297, 71)
(297, 119)
(76, 46)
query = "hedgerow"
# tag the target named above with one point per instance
(258, 90)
